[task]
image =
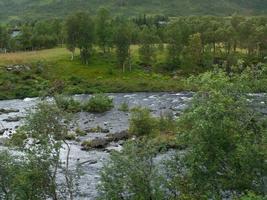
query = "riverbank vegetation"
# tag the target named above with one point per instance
(106, 54)
(219, 138)
(215, 149)
(225, 154)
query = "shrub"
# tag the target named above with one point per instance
(227, 141)
(70, 136)
(98, 103)
(124, 107)
(251, 196)
(68, 104)
(142, 122)
(87, 145)
(80, 132)
(166, 123)
(17, 139)
(131, 174)
(42, 136)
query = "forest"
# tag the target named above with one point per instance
(206, 39)
(21, 10)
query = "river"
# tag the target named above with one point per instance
(114, 121)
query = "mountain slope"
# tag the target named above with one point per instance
(16, 9)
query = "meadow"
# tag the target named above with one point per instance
(52, 70)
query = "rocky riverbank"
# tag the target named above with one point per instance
(106, 131)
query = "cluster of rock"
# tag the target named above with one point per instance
(17, 68)
(9, 119)
(100, 143)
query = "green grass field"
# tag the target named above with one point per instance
(53, 70)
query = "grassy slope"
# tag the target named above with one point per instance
(51, 67)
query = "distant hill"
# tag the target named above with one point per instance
(35, 9)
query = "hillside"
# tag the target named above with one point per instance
(21, 9)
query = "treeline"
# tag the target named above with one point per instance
(183, 42)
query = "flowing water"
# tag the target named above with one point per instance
(114, 121)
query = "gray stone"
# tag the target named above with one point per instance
(2, 131)
(7, 111)
(12, 119)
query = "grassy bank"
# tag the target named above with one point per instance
(52, 70)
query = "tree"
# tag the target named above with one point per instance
(25, 38)
(210, 36)
(41, 139)
(194, 51)
(80, 30)
(122, 42)
(86, 36)
(4, 39)
(148, 39)
(103, 29)
(175, 45)
(71, 27)
(131, 174)
(227, 143)
(235, 21)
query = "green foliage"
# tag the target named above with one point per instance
(80, 34)
(17, 139)
(167, 123)
(80, 132)
(104, 29)
(57, 9)
(87, 145)
(70, 136)
(227, 144)
(68, 104)
(193, 52)
(122, 42)
(141, 122)
(124, 107)
(250, 79)
(148, 38)
(252, 196)
(23, 178)
(32, 174)
(131, 174)
(98, 103)
(45, 121)
(175, 45)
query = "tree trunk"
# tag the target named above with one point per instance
(72, 54)
(67, 175)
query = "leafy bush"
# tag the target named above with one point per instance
(131, 174)
(142, 122)
(98, 103)
(68, 104)
(167, 123)
(252, 196)
(80, 132)
(124, 107)
(33, 174)
(17, 139)
(227, 143)
(70, 136)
